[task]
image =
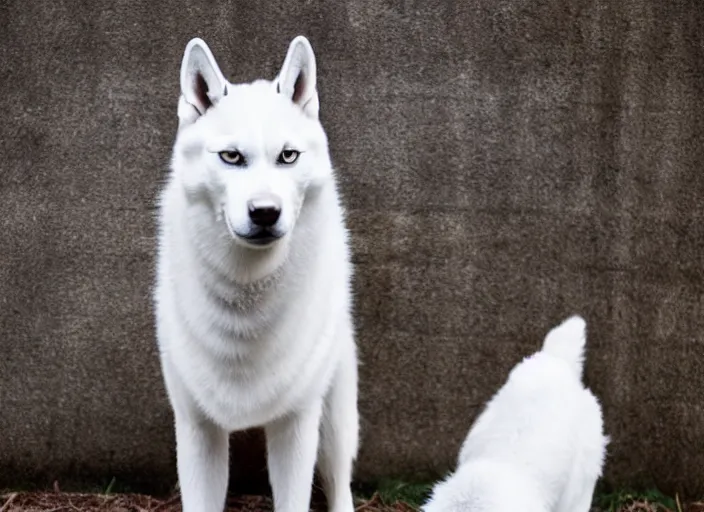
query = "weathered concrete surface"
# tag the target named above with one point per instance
(505, 163)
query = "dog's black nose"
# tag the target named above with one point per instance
(262, 214)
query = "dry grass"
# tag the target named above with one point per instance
(76, 502)
(646, 506)
(647, 501)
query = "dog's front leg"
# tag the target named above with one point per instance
(292, 444)
(202, 458)
(340, 433)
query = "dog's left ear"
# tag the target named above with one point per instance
(297, 78)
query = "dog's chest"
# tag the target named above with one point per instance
(280, 369)
(261, 355)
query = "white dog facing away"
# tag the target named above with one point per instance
(539, 445)
(253, 290)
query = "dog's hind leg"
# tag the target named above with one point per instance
(340, 433)
(292, 442)
(577, 498)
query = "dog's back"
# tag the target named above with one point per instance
(543, 425)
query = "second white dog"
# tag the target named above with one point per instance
(539, 445)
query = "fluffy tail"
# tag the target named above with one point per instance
(567, 341)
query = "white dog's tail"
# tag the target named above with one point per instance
(567, 341)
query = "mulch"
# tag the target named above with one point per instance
(76, 502)
(644, 506)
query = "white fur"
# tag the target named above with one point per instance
(256, 336)
(539, 445)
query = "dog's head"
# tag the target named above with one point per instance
(251, 151)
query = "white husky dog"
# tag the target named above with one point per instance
(539, 445)
(253, 293)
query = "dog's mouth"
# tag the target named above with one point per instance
(259, 237)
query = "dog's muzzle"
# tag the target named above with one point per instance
(264, 212)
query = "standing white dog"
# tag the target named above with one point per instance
(539, 445)
(253, 298)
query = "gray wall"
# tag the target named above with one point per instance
(505, 164)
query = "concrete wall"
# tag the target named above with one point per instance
(505, 163)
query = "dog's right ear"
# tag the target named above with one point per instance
(202, 82)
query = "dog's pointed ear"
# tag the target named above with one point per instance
(297, 78)
(202, 82)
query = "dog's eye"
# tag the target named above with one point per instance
(231, 157)
(288, 156)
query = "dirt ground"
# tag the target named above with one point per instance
(74, 502)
